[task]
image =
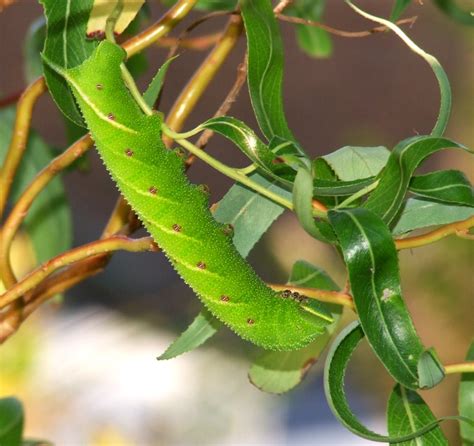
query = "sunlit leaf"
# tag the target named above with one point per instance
(102, 9)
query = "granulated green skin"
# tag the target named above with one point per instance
(176, 212)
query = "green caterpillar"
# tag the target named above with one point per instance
(176, 212)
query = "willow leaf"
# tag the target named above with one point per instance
(334, 372)
(102, 9)
(419, 214)
(204, 326)
(66, 46)
(398, 8)
(408, 413)
(279, 372)
(265, 67)
(351, 163)
(372, 263)
(387, 199)
(448, 186)
(153, 91)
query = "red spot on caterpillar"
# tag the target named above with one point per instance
(99, 86)
(129, 152)
(201, 265)
(153, 190)
(250, 321)
(225, 298)
(176, 228)
(111, 116)
(96, 34)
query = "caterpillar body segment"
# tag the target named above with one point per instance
(176, 213)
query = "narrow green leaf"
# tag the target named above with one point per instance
(408, 413)
(466, 401)
(450, 8)
(398, 8)
(302, 203)
(50, 211)
(34, 42)
(351, 163)
(153, 91)
(201, 329)
(335, 368)
(448, 186)
(265, 67)
(372, 263)
(387, 199)
(11, 422)
(279, 372)
(419, 214)
(66, 45)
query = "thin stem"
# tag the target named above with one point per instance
(230, 172)
(147, 37)
(248, 170)
(196, 86)
(462, 367)
(333, 297)
(200, 43)
(23, 204)
(340, 32)
(134, 91)
(442, 78)
(112, 20)
(435, 235)
(19, 139)
(358, 195)
(113, 243)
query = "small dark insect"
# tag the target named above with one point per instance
(204, 188)
(176, 228)
(201, 265)
(228, 229)
(129, 152)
